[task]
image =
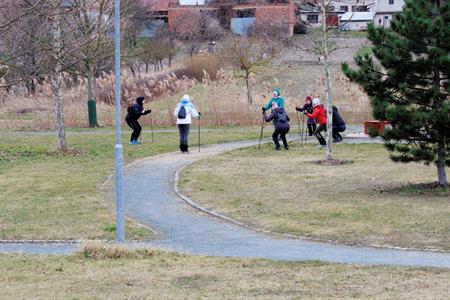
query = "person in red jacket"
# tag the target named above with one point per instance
(320, 115)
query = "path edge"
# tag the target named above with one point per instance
(187, 200)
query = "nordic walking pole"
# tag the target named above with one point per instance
(151, 125)
(199, 133)
(261, 135)
(303, 131)
(299, 129)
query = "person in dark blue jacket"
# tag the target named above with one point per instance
(281, 123)
(338, 125)
(135, 111)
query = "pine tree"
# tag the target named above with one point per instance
(407, 79)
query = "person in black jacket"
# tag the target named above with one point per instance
(135, 111)
(308, 108)
(281, 123)
(338, 125)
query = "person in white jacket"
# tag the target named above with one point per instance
(184, 112)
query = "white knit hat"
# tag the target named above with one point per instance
(316, 102)
(186, 96)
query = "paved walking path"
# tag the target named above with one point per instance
(150, 199)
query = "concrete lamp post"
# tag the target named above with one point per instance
(118, 148)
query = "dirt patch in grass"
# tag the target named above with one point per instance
(332, 162)
(150, 274)
(372, 201)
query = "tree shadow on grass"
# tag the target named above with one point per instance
(432, 189)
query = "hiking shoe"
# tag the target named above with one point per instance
(287, 147)
(321, 146)
(132, 143)
(278, 148)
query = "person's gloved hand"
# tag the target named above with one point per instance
(263, 109)
(147, 111)
(199, 114)
(299, 109)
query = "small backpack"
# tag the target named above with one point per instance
(129, 107)
(182, 113)
(282, 117)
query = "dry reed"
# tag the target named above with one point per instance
(222, 101)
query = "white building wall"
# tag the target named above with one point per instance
(192, 2)
(383, 6)
(385, 11)
(355, 26)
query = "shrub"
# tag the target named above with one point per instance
(209, 63)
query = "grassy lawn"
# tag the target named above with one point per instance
(371, 201)
(161, 275)
(47, 195)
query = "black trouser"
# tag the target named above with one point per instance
(311, 128)
(280, 133)
(319, 137)
(134, 124)
(184, 133)
(336, 132)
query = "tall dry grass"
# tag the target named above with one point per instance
(22, 111)
(222, 101)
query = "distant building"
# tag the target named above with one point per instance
(238, 15)
(310, 10)
(156, 17)
(356, 20)
(386, 10)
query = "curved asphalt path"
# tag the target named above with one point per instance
(150, 199)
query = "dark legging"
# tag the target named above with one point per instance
(282, 134)
(319, 137)
(311, 128)
(136, 129)
(184, 133)
(336, 132)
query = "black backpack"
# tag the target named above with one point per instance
(282, 117)
(182, 113)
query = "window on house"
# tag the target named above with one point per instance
(245, 13)
(360, 8)
(344, 8)
(312, 18)
(391, 2)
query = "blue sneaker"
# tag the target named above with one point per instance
(133, 142)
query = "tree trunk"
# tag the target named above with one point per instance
(329, 105)
(90, 83)
(249, 89)
(442, 176)
(60, 131)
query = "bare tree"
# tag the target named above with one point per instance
(249, 53)
(20, 53)
(321, 45)
(48, 25)
(93, 21)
